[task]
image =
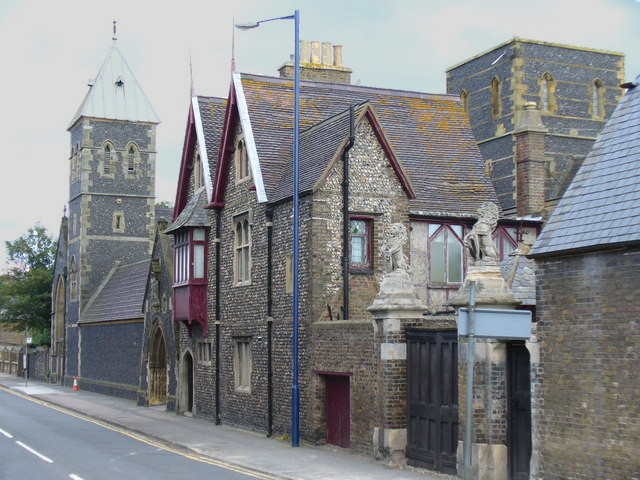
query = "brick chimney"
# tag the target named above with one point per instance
(530, 164)
(319, 63)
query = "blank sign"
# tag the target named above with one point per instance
(496, 323)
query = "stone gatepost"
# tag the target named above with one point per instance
(489, 431)
(396, 305)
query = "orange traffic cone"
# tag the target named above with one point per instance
(75, 384)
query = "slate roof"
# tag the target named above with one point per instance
(121, 295)
(429, 135)
(193, 214)
(211, 113)
(519, 273)
(115, 94)
(601, 207)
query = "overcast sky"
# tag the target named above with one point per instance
(51, 48)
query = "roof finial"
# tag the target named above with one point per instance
(114, 31)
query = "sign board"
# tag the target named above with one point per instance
(29, 340)
(496, 323)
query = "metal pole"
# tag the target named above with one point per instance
(25, 362)
(469, 393)
(295, 392)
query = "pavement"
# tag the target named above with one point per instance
(241, 450)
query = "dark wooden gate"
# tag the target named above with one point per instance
(432, 371)
(338, 410)
(519, 433)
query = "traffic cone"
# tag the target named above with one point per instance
(75, 384)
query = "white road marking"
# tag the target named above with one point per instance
(73, 476)
(39, 455)
(6, 434)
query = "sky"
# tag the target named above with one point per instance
(51, 48)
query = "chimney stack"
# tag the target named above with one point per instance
(319, 62)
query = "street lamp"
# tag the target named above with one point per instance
(295, 391)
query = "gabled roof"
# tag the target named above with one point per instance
(193, 214)
(204, 129)
(601, 207)
(115, 94)
(121, 295)
(429, 136)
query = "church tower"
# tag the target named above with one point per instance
(112, 180)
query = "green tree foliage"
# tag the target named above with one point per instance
(25, 290)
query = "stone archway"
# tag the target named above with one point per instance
(158, 369)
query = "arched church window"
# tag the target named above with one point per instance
(131, 160)
(496, 104)
(73, 274)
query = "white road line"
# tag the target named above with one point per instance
(39, 455)
(73, 476)
(6, 434)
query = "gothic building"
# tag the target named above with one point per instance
(105, 242)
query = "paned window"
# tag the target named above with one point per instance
(243, 172)
(446, 254)
(190, 255)
(242, 253)
(242, 364)
(505, 240)
(360, 243)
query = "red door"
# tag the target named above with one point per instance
(338, 410)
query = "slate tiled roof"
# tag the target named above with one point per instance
(211, 111)
(116, 94)
(601, 207)
(193, 214)
(429, 134)
(519, 273)
(121, 295)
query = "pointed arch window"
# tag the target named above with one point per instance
(597, 99)
(243, 170)
(464, 101)
(242, 250)
(73, 284)
(107, 159)
(131, 160)
(197, 172)
(547, 93)
(496, 104)
(446, 254)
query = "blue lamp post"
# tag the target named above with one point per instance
(295, 391)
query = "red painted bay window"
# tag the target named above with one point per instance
(190, 277)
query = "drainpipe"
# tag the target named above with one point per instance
(269, 324)
(217, 309)
(345, 217)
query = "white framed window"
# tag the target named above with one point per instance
(242, 363)
(242, 251)
(190, 255)
(446, 254)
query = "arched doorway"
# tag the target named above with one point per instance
(186, 383)
(157, 369)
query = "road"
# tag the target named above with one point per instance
(44, 442)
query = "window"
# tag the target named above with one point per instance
(464, 101)
(242, 364)
(117, 223)
(73, 292)
(505, 240)
(197, 172)
(496, 105)
(360, 243)
(204, 352)
(242, 254)
(446, 254)
(243, 172)
(547, 90)
(131, 160)
(190, 255)
(597, 94)
(107, 160)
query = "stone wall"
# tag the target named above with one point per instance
(586, 403)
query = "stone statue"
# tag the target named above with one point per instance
(478, 240)
(392, 253)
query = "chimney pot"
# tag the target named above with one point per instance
(304, 51)
(337, 55)
(326, 53)
(315, 52)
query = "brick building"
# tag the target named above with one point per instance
(575, 88)
(105, 243)
(588, 265)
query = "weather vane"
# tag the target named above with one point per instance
(114, 31)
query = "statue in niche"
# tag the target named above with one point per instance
(478, 240)
(394, 258)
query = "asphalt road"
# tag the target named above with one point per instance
(43, 443)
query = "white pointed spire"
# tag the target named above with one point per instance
(115, 94)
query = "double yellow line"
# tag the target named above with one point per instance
(149, 441)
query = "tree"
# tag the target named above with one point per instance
(25, 290)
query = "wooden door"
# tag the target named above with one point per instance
(432, 390)
(519, 430)
(338, 410)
